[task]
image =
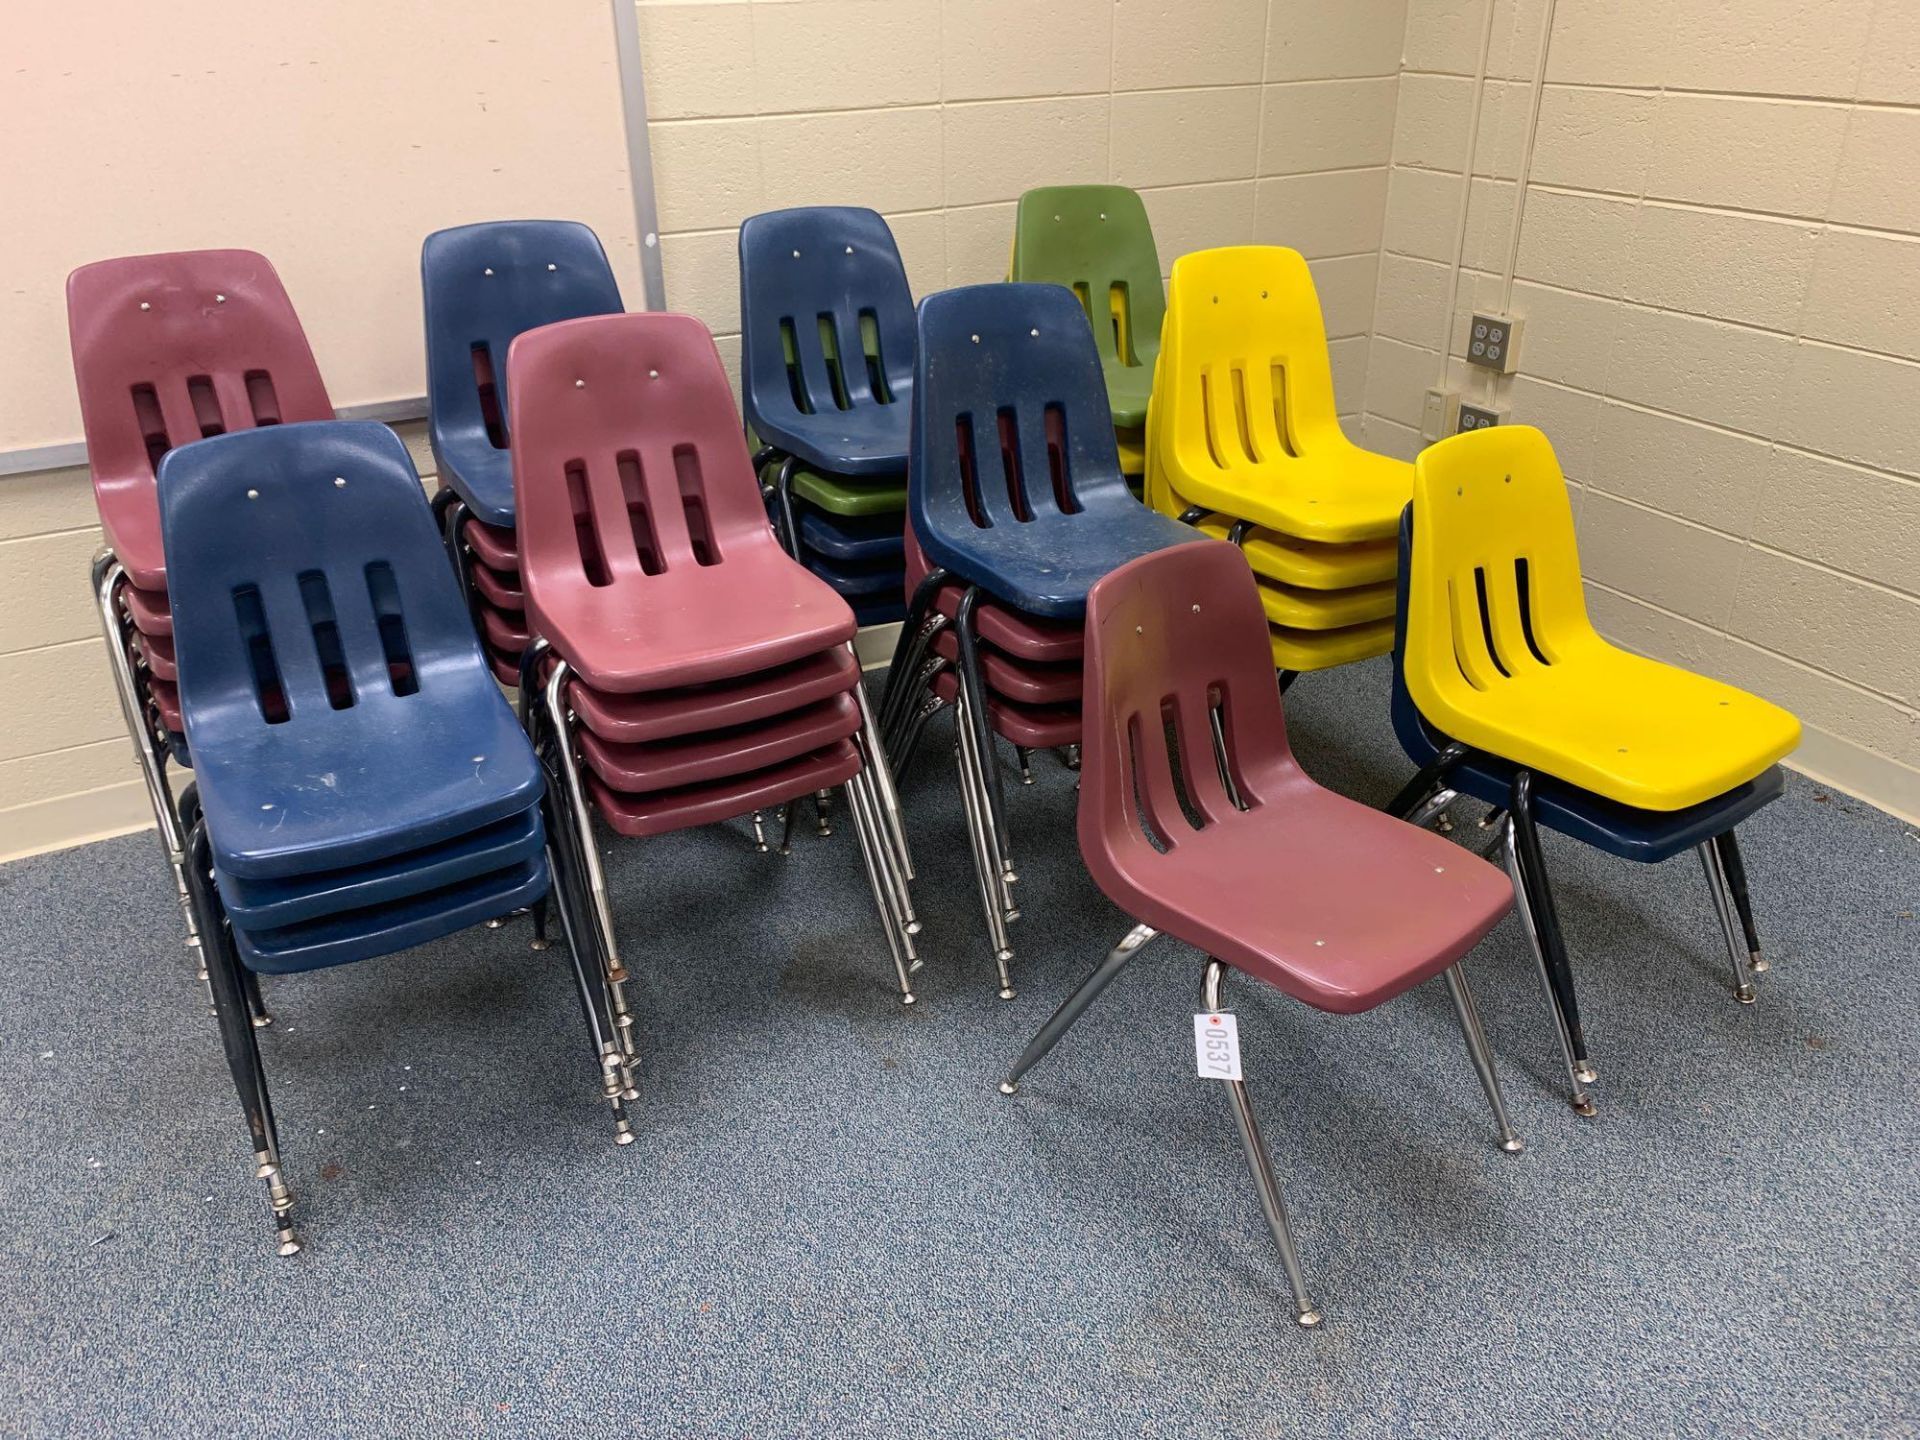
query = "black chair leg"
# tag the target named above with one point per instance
(916, 633)
(1414, 793)
(1544, 923)
(236, 1036)
(1736, 868)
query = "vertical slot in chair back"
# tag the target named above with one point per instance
(1176, 652)
(1494, 582)
(308, 577)
(628, 460)
(483, 285)
(827, 335)
(1247, 379)
(173, 348)
(1095, 240)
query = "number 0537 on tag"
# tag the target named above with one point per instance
(1216, 1046)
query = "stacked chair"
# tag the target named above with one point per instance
(1244, 441)
(1196, 819)
(361, 784)
(826, 380)
(1504, 692)
(167, 350)
(684, 669)
(1095, 240)
(483, 284)
(1017, 500)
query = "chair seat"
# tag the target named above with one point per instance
(879, 610)
(505, 630)
(1056, 683)
(275, 904)
(852, 540)
(664, 811)
(166, 699)
(1344, 495)
(397, 925)
(496, 546)
(1626, 728)
(1290, 892)
(665, 715)
(1306, 650)
(1306, 564)
(715, 623)
(1297, 609)
(1035, 727)
(867, 441)
(859, 582)
(697, 759)
(1020, 636)
(1133, 455)
(157, 650)
(501, 588)
(1045, 566)
(852, 498)
(480, 473)
(149, 609)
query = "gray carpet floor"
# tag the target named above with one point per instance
(832, 1224)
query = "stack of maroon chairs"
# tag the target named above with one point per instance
(169, 349)
(1031, 668)
(683, 669)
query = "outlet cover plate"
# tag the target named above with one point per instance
(1493, 341)
(1478, 417)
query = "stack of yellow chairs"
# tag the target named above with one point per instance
(1095, 240)
(1244, 441)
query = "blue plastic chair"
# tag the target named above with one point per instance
(363, 786)
(1014, 481)
(483, 285)
(1528, 801)
(825, 285)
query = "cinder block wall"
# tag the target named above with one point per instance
(1719, 261)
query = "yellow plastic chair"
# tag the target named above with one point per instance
(1500, 654)
(1242, 420)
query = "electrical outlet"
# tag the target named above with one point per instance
(1436, 417)
(1493, 341)
(1478, 417)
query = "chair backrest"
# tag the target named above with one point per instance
(1493, 582)
(826, 318)
(1244, 376)
(628, 458)
(484, 284)
(1171, 638)
(310, 587)
(1010, 418)
(1095, 240)
(173, 348)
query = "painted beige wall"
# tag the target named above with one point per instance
(1719, 262)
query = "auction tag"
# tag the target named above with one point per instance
(1216, 1045)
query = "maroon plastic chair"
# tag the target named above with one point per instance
(688, 669)
(1196, 819)
(168, 349)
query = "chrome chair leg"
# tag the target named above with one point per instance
(985, 862)
(108, 575)
(882, 773)
(787, 812)
(822, 811)
(873, 764)
(1271, 1201)
(1523, 905)
(616, 1080)
(759, 834)
(973, 685)
(1433, 808)
(1024, 757)
(1481, 1055)
(864, 808)
(1718, 887)
(1075, 1005)
(1736, 872)
(871, 845)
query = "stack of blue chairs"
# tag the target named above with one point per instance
(826, 380)
(362, 785)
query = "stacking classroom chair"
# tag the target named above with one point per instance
(1015, 496)
(684, 669)
(1503, 691)
(1245, 442)
(169, 349)
(826, 381)
(1096, 241)
(1196, 819)
(362, 787)
(483, 284)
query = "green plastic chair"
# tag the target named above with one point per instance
(1095, 240)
